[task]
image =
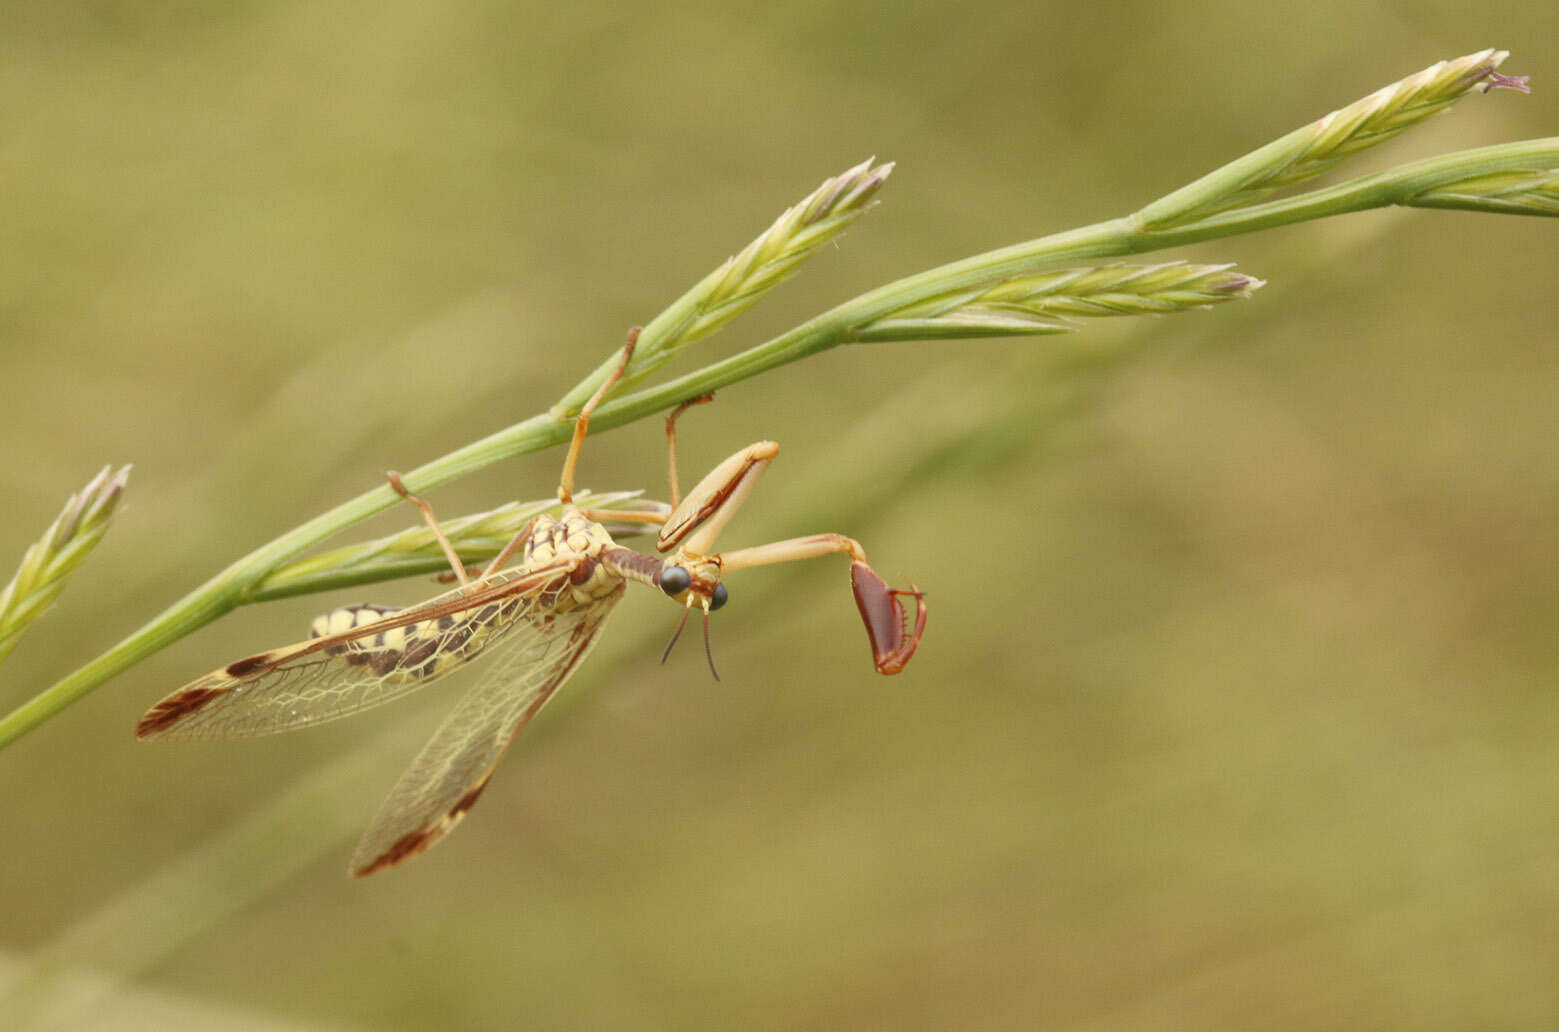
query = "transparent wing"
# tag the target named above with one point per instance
(446, 778)
(344, 673)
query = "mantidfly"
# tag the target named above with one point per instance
(537, 620)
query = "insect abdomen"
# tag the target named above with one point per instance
(411, 651)
(348, 618)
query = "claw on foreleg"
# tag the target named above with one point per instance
(887, 625)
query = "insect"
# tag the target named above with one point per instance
(533, 623)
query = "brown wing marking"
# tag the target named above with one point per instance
(336, 675)
(414, 842)
(447, 777)
(173, 709)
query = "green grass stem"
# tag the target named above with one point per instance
(1174, 221)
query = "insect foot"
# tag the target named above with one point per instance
(887, 625)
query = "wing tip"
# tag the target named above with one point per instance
(402, 849)
(168, 713)
(419, 840)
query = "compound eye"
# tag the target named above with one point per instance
(718, 596)
(674, 580)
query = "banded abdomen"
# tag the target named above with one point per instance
(414, 651)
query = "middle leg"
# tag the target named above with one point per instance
(438, 533)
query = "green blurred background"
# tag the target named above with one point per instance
(1237, 704)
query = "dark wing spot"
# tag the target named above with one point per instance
(383, 662)
(404, 848)
(468, 800)
(175, 708)
(414, 842)
(245, 667)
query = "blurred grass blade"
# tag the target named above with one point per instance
(737, 284)
(1309, 151)
(198, 891)
(1507, 193)
(1046, 303)
(49, 561)
(478, 538)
